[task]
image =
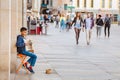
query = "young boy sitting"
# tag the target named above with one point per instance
(21, 49)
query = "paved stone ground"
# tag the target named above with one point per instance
(58, 51)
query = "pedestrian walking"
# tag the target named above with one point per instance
(89, 23)
(28, 23)
(46, 18)
(41, 18)
(33, 26)
(118, 20)
(107, 23)
(68, 23)
(62, 23)
(78, 22)
(99, 23)
(45, 27)
(41, 27)
(57, 19)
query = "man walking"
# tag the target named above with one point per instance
(99, 23)
(89, 23)
(107, 23)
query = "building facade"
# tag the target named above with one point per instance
(98, 7)
(55, 5)
(33, 7)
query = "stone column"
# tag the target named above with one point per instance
(16, 23)
(5, 24)
(35, 8)
(10, 23)
(24, 8)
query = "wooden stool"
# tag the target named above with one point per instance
(22, 59)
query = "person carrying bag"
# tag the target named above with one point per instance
(99, 23)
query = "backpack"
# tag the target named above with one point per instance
(107, 21)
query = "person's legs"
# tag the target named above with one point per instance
(45, 29)
(105, 30)
(90, 33)
(76, 34)
(100, 31)
(67, 27)
(64, 26)
(87, 37)
(108, 31)
(32, 56)
(61, 26)
(79, 33)
(57, 24)
(97, 30)
(31, 61)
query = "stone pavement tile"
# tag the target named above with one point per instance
(83, 74)
(21, 76)
(112, 69)
(43, 76)
(116, 75)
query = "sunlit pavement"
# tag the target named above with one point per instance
(68, 61)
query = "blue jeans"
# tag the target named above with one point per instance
(62, 26)
(32, 56)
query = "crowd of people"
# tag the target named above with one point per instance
(85, 24)
(65, 23)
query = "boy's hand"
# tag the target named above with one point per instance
(26, 44)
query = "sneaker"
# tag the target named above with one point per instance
(31, 70)
(77, 42)
(88, 43)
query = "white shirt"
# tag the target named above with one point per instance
(88, 23)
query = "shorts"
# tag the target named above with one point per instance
(77, 26)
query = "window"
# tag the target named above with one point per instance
(47, 2)
(103, 3)
(43, 2)
(29, 1)
(92, 3)
(78, 4)
(84, 3)
(51, 3)
(110, 3)
(115, 16)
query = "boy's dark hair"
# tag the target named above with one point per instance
(23, 29)
(100, 16)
